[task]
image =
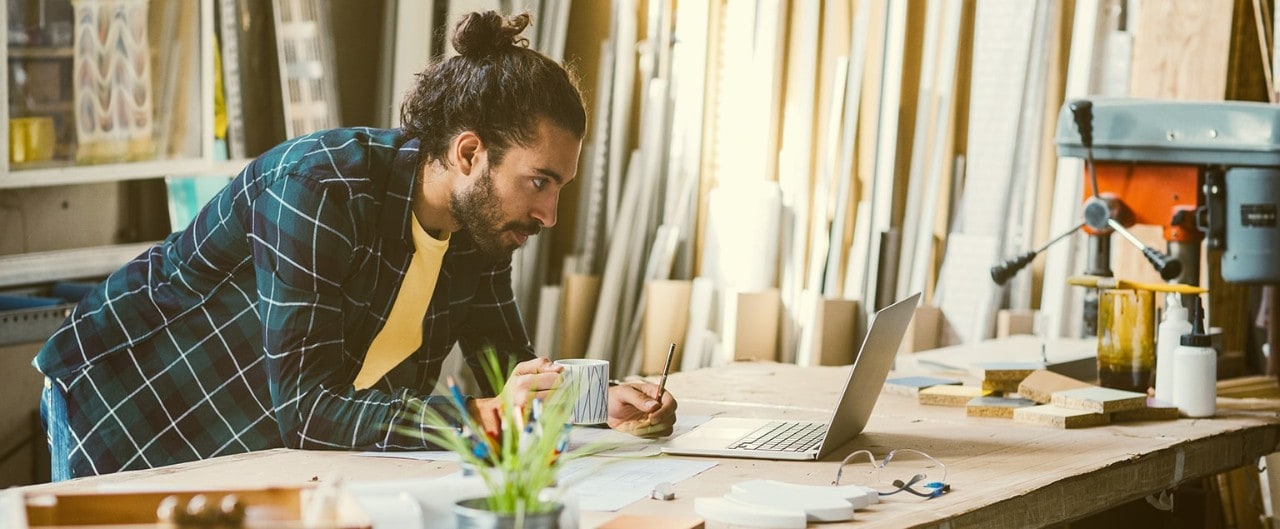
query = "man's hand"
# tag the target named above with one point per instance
(530, 379)
(634, 409)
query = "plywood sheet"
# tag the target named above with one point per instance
(1181, 48)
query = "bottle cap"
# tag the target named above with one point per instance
(1197, 337)
(1173, 309)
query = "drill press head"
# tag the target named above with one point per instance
(1200, 170)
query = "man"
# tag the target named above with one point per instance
(314, 299)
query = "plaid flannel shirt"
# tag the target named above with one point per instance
(245, 330)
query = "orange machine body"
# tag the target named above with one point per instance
(1152, 194)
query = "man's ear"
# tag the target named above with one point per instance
(465, 151)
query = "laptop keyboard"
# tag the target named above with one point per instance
(783, 436)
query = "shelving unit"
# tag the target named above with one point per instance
(179, 109)
(200, 160)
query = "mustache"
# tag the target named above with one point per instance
(526, 228)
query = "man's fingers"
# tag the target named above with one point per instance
(529, 367)
(638, 398)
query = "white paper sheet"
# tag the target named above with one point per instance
(618, 444)
(610, 483)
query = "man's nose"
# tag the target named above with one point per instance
(544, 211)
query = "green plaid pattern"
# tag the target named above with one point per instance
(245, 330)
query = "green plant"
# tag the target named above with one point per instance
(519, 461)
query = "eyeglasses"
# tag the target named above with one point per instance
(913, 472)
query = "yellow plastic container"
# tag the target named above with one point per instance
(31, 139)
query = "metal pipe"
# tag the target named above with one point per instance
(1098, 258)
(1273, 330)
(1189, 255)
(1098, 263)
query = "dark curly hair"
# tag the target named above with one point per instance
(496, 87)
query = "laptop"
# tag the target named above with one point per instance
(807, 440)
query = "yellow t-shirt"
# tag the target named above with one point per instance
(402, 334)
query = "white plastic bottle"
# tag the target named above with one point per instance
(1195, 370)
(1168, 337)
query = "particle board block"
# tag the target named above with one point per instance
(1040, 385)
(1001, 407)
(1001, 386)
(912, 385)
(955, 396)
(1050, 415)
(1001, 371)
(1154, 410)
(1098, 400)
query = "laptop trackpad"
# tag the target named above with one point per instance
(719, 432)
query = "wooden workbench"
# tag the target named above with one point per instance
(1003, 474)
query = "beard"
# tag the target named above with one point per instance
(479, 212)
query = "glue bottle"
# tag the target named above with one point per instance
(1195, 370)
(1168, 336)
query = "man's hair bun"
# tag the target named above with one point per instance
(483, 34)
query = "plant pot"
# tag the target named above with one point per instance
(475, 514)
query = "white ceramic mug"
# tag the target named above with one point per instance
(591, 378)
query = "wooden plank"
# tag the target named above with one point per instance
(836, 343)
(884, 182)
(696, 341)
(937, 77)
(1061, 304)
(548, 320)
(707, 171)
(751, 325)
(923, 331)
(1180, 49)
(839, 174)
(666, 320)
(795, 165)
(581, 293)
(1002, 40)
(1259, 386)
(591, 201)
(1029, 147)
(1056, 72)
(689, 64)
(624, 75)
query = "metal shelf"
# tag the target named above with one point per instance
(32, 325)
(40, 52)
(44, 267)
(82, 174)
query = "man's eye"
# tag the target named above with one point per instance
(539, 183)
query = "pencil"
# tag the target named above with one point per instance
(662, 384)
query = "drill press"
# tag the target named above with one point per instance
(1204, 171)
